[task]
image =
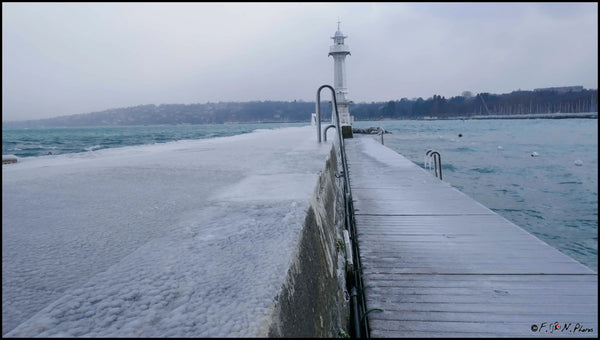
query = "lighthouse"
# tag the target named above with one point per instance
(339, 51)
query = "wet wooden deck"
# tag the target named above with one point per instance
(440, 264)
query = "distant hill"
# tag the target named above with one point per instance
(209, 113)
(573, 99)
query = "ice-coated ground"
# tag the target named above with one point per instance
(183, 239)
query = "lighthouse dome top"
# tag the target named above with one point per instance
(339, 37)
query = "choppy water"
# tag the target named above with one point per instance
(56, 141)
(553, 195)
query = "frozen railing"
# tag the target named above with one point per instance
(358, 304)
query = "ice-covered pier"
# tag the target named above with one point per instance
(223, 237)
(436, 263)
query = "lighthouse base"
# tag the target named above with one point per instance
(347, 131)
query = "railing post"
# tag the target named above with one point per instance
(318, 112)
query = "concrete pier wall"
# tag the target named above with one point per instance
(313, 301)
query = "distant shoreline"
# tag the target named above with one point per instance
(523, 116)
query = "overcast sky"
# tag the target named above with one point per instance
(67, 58)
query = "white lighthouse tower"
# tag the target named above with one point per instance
(339, 51)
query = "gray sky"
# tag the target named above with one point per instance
(67, 58)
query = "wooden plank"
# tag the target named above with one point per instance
(440, 264)
(432, 280)
(457, 244)
(412, 329)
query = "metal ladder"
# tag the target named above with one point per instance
(437, 161)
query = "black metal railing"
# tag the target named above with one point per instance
(360, 327)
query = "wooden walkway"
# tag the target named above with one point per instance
(440, 264)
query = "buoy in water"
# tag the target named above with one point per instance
(534, 154)
(460, 135)
(578, 162)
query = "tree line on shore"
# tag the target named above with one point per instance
(515, 103)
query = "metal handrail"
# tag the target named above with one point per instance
(358, 307)
(325, 132)
(338, 130)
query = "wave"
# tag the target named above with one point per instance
(529, 212)
(463, 149)
(445, 167)
(571, 182)
(94, 147)
(484, 170)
